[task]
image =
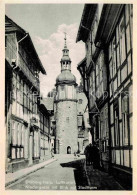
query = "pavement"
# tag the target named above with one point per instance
(13, 177)
(65, 173)
(101, 180)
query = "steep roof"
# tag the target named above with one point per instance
(48, 103)
(86, 21)
(108, 21)
(11, 26)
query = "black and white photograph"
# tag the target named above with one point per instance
(69, 96)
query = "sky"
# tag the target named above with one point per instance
(46, 24)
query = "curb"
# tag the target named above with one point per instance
(10, 182)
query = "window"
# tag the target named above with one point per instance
(18, 110)
(113, 49)
(101, 72)
(18, 95)
(67, 119)
(101, 60)
(86, 47)
(41, 142)
(97, 74)
(6, 41)
(127, 13)
(36, 144)
(14, 93)
(79, 121)
(80, 101)
(62, 92)
(93, 38)
(91, 83)
(14, 134)
(25, 88)
(125, 111)
(131, 22)
(116, 126)
(110, 51)
(101, 124)
(93, 77)
(41, 122)
(95, 23)
(70, 90)
(112, 137)
(25, 114)
(114, 55)
(128, 39)
(117, 53)
(122, 40)
(117, 35)
(104, 146)
(22, 135)
(18, 134)
(111, 69)
(14, 81)
(116, 122)
(105, 121)
(17, 147)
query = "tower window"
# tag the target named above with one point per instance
(62, 88)
(80, 101)
(67, 119)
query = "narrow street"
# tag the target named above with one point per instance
(67, 173)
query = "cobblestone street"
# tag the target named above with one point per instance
(67, 173)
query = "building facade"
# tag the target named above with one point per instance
(66, 108)
(49, 105)
(45, 132)
(106, 71)
(83, 120)
(23, 119)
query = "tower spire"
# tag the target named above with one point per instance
(65, 60)
(65, 38)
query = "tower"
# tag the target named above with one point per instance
(66, 107)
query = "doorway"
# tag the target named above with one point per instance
(68, 150)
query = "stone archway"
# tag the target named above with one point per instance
(68, 150)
